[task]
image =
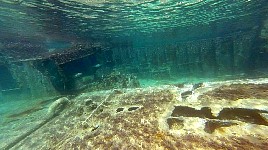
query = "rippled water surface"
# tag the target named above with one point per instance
(114, 18)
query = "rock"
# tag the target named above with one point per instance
(56, 107)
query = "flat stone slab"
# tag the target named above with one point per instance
(216, 115)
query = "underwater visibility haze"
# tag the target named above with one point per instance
(133, 74)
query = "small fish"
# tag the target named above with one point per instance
(78, 75)
(97, 66)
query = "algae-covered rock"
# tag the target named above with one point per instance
(56, 107)
(115, 80)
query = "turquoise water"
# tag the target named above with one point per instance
(158, 41)
(110, 19)
(54, 48)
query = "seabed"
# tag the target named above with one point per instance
(212, 115)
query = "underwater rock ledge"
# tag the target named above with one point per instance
(159, 118)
